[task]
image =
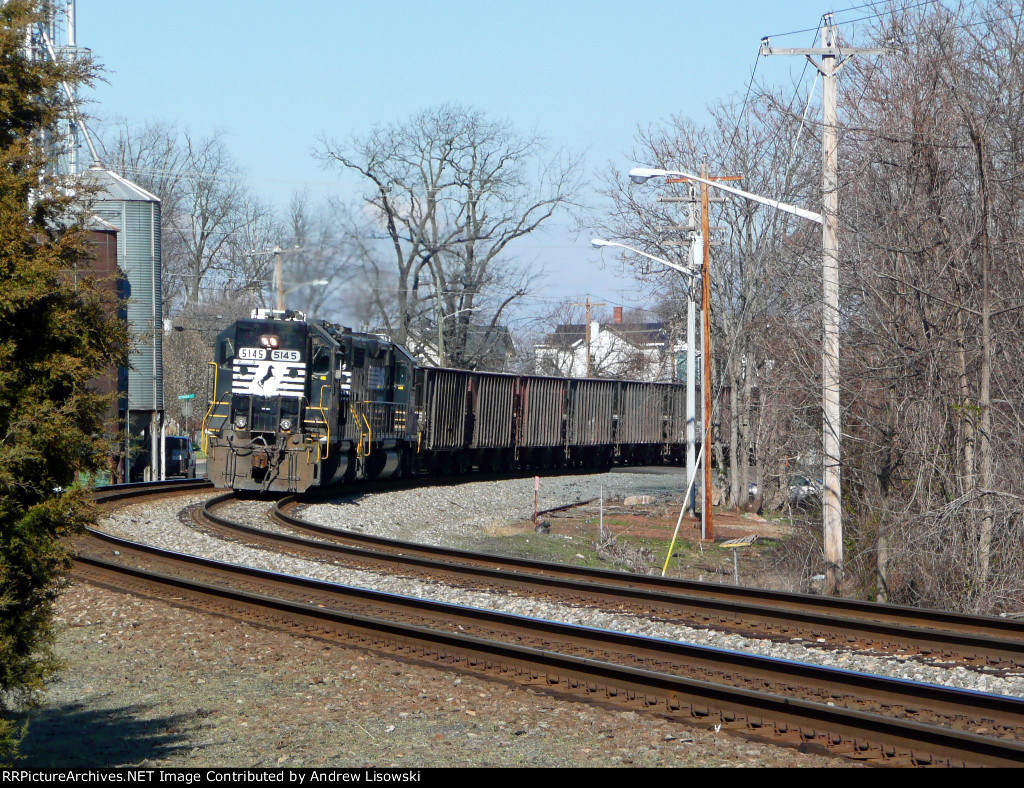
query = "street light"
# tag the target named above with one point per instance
(693, 274)
(599, 243)
(643, 174)
(440, 329)
(832, 519)
(315, 282)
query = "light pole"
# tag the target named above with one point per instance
(440, 330)
(831, 498)
(692, 274)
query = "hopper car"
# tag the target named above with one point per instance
(299, 404)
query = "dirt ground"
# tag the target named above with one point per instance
(638, 533)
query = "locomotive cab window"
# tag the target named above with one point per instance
(321, 364)
(225, 351)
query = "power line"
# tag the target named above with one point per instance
(858, 19)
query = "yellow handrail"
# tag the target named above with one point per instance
(369, 436)
(327, 423)
(213, 401)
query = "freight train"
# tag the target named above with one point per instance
(297, 404)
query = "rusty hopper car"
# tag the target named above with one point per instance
(297, 404)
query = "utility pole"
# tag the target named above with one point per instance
(279, 277)
(833, 58)
(588, 305)
(706, 515)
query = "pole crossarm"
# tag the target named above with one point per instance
(843, 52)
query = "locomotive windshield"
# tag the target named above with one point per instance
(270, 358)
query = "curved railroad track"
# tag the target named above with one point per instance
(860, 716)
(980, 641)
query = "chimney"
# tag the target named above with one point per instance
(618, 316)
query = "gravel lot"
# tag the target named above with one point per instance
(172, 685)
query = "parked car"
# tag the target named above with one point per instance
(180, 458)
(804, 491)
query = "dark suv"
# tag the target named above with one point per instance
(181, 460)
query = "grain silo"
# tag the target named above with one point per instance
(136, 215)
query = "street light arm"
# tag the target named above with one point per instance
(460, 311)
(316, 282)
(643, 174)
(598, 243)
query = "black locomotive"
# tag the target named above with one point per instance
(299, 404)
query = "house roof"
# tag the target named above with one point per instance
(636, 334)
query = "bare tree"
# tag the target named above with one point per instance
(450, 192)
(211, 223)
(935, 204)
(320, 262)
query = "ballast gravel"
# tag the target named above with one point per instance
(158, 524)
(440, 514)
(148, 684)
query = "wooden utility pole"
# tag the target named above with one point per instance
(279, 276)
(588, 305)
(833, 58)
(705, 282)
(707, 519)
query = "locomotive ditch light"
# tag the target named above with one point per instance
(240, 422)
(286, 425)
(268, 340)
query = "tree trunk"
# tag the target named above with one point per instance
(985, 386)
(734, 433)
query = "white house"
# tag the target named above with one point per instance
(636, 351)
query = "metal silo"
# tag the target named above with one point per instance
(136, 214)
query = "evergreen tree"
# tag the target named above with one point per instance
(57, 332)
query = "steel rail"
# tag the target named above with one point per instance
(987, 639)
(852, 732)
(117, 492)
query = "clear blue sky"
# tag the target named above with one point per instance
(275, 75)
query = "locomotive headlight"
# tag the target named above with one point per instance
(286, 425)
(240, 422)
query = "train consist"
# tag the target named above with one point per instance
(299, 404)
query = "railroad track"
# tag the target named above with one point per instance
(859, 716)
(120, 492)
(986, 641)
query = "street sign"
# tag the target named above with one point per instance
(186, 405)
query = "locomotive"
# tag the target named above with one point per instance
(296, 405)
